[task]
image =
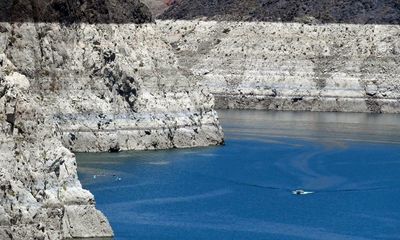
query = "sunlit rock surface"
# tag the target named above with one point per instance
(112, 87)
(41, 197)
(85, 76)
(292, 66)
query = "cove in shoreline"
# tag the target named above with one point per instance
(243, 190)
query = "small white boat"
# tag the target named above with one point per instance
(300, 192)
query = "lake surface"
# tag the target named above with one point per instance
(243, 190)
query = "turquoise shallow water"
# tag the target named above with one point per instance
(243, 190)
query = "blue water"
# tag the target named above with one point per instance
(243, 190)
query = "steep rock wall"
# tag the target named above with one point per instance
(72, 11)
(109, 81)
(112, 86)
(40, 195)
(72, 75)
(97, 88)
(292, 66)
(304, 11)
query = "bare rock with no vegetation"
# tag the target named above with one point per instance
(292, 66)
(304, 11)
(84, 76)
(39, 182)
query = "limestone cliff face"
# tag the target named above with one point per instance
(109, 83)
(112, 87)
(40, 195)
(292, 66)
(90, 82)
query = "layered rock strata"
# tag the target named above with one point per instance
(112, 87)
(88, 76)
(109, 85)
(292, 66)
(40, 195)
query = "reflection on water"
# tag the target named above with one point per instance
(313, 125)
(243, 190)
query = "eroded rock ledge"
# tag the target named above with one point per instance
(40, 194)
(112, 86)
(87, 84)
(292, 66)
(98, 88)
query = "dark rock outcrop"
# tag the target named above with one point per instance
(306, 11)
(69, 11)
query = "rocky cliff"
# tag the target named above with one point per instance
(89, 76)
(70, 11)
(304, 11)
(292, 66)
(40, 195)
(109, 83)
(112, 87)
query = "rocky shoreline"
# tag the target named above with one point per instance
(98, 88)
(88, 76)
(71, 81)
(41, 196)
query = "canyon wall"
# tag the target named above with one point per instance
(112, 87)
(292, 66)
(304, 11)
(84, 76)
(97, 88)
(40, 194)
(102, 76)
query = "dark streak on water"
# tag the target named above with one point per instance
(243, 190)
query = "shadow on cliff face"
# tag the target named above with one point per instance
(304, 11)
(75, 11)
(135, 11)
